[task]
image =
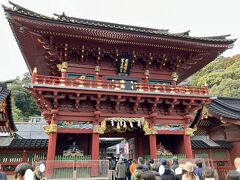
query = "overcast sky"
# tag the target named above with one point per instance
(202, 17)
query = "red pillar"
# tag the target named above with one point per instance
(95, 146)
(52, 141)
(153, 146)
(95, 154)
(188, 146)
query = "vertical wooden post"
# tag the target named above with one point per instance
(153, 146)
(95, 154)
(188, 146)
(52, 142)
(24, 156)
(95, 146)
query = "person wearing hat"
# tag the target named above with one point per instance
(189, 172)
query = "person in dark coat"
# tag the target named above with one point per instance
(148, 175)
(155, 169)
(168, 174)
(120, 170)
(199, 170)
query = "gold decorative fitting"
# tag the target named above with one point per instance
(3, 106)
(189, 131)
(97, 68)
(147, 129)
(122, 84)
(35, 70)
(175, 76)
(146, 72)
(63, 67)
(205, 113)
(52, 128)
(100, 128)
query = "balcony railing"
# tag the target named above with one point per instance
(118, 85)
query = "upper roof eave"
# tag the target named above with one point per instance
(117, 27)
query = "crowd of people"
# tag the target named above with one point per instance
(21, 171)
(167, 170)
(150, 170)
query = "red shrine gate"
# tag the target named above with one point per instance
(92, 78)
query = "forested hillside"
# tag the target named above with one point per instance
(23, 104)
(222, 76)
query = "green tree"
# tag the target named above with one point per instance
(23, 104)
(222, 76)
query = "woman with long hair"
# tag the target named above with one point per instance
(189, 172)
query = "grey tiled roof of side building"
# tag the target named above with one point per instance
(226, 107)
(31, 130)
(27, 144)
(113, 26)
(200, 144)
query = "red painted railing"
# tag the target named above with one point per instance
(117, 85)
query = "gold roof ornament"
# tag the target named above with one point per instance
(205, 113)
(190, 131)
(62, 67)
(174, 76)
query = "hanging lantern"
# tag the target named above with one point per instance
(121, 123)
(124, 124)
(131, 124)
(118, 125)
(139, 123)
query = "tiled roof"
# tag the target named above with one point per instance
(5, 94)
(225, 107)
(200, 144)
(31, 130)
(112, 26)
(27, 144)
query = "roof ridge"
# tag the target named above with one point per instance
(17, 7)
(114, 26)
